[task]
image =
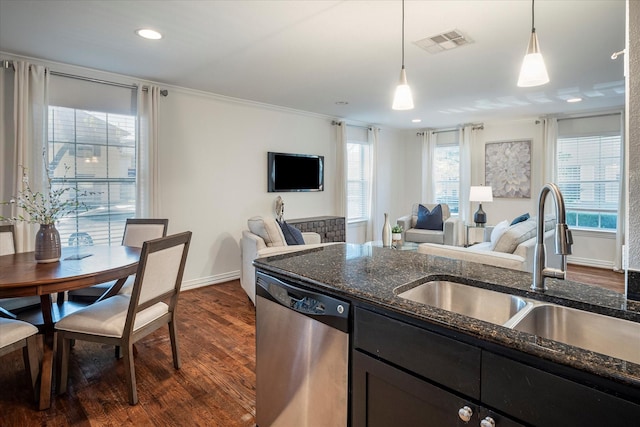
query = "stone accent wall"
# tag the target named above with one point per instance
(330, 228)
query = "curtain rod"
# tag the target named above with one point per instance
(164, 92)
(474, 126)
(336, 123)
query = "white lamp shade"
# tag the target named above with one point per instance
(403, 99)
(533, 71)
(480, 194)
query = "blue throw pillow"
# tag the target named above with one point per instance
(521, 218)
(292, 235)
(429, 220)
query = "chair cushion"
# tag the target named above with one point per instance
(515, 235)
(292, 235)
(268, 229)
(429, 220)
(12, 331)
(424, 236)
(107, 318)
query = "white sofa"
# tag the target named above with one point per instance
(265, 238)
(447, 236)
(514, 249)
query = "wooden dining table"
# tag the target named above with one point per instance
(79, 267)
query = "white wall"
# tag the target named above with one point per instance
(213, 172)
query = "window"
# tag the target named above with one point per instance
(93, 150)
(589, 169)
(447, 170)
(358, 180)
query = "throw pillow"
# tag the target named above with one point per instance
(498, 231)
(429, 220)
(292, 235)
(521, 218)
(515, 235)
(268, 229)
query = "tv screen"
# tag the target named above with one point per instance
(295, 172)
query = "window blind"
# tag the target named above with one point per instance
(589, 170)
(358, 180)
(446, 172)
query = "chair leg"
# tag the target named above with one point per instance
(32, 363)
(130, 373)
(64, 348)
(174, 344)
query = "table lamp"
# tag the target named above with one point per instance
(480, 194)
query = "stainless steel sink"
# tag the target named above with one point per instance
(479, 303)
(595, 332)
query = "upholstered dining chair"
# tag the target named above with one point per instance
(136, 232)
(10, 305)
(14, 335)
(124, 319)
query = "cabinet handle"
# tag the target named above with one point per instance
(465, 413)
(488, 422)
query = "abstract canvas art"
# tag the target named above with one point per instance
(507, 168)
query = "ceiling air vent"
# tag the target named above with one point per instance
(444, 41)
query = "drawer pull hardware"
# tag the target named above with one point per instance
(465, 413)
(488, 422)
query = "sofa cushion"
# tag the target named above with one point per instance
(515, 235)
(520, 218)
(292, 235)
(429, 220)
(268, 229)
(497, 232)
(424, 236)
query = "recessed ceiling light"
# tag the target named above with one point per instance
(148, 33)
(416, 120)
(574, 99)
(342, 103)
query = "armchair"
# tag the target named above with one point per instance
(447, 236)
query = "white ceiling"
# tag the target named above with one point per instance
(308, 55)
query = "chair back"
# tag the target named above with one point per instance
(139, 230)
(159, 274)
(7, 239)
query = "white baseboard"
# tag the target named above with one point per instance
(210, 280)
(590, 262)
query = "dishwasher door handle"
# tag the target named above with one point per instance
(323, 308)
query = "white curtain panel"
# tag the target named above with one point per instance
(30, 105)
(375, 222)
(148, 196)
(549, 143)
(468, 138)
(620, 229)
(428, 159)
(341, 169)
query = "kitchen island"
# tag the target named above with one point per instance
(484, 367)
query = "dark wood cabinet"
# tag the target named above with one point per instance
(385, 396)
(405, 375)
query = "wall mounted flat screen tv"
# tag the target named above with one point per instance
(295, 172)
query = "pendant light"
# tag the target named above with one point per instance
(403, 99)
(533, 71)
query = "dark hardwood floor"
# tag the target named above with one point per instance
(214, 387)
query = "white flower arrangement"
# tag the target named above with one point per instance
(45, 208)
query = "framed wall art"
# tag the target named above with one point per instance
(507, 168)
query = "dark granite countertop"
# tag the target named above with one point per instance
(375, 276)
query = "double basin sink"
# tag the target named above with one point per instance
(590, 331)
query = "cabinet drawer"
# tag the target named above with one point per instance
(544, 399)
(450, 363)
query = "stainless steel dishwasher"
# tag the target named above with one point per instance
(302, 352)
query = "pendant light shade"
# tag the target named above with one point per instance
(533, 71)
(402, 99)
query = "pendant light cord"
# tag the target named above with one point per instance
(533, 25)
(402, 33)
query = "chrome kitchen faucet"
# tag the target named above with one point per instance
(564, 240)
